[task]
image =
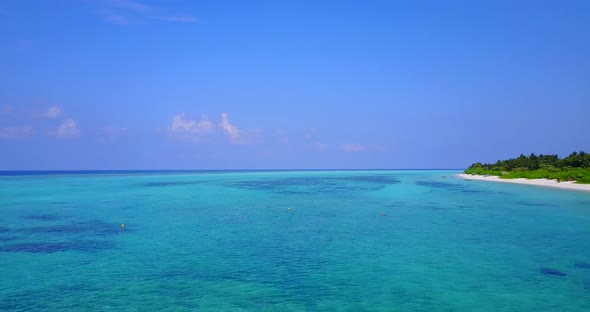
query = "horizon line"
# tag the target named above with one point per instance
(268, 169)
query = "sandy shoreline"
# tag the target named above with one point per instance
(538, 182)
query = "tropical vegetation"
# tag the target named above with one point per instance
(575, 167)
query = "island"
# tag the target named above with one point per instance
(572, 172)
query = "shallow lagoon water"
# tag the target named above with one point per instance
(227, 242)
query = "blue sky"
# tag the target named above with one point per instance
(124, 84)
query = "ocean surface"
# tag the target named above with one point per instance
(351, 241)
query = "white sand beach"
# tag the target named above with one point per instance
(538, 182)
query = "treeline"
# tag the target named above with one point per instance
(575, 167)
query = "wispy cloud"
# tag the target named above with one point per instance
(16, 132)
(249, 136)
(37, 115)
(281, 137)
(118, 19)
(232, 131)
(199, 130)
(311, 133)
(311, 138)
(129, 4)
(68, 129)
(51, 112)
(352, 147)
(190, 129)
(176, 18)
(125, 12)
(181, 122)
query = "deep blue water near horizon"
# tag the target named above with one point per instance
(54, 173)
(226, 241)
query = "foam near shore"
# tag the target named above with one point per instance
(538, 182)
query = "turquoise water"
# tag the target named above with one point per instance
(227, 242)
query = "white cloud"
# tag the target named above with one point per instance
(232, 131)
(67, 130)
(185, 128)
(180, 123)
(16, 132)
(352, 147)
(52, 112)
(189, 129)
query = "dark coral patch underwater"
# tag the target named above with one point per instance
(42, 217)
(4, 239)
(533, 204)
(317, 185)
(427, 205)
(47, 247)
(447, 186)
(370, 179)
(550, 271)
(172, 183)
(582, 265)
(95, 228)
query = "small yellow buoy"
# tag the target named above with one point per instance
(123, 226)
